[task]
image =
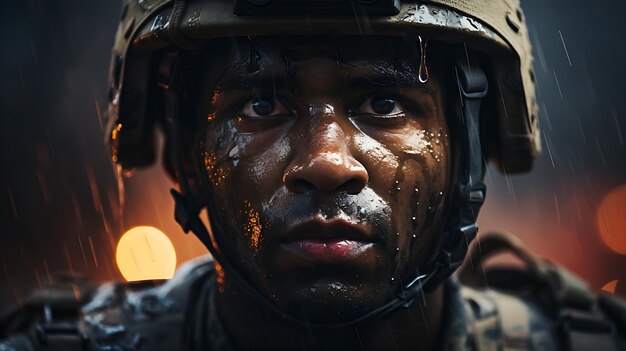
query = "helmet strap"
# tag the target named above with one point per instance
(470, 190)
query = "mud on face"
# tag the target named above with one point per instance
(326, 163)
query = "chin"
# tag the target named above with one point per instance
(332, 302)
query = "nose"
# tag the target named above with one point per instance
(324, 162)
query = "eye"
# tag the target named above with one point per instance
(264, 107)
(381, 112)
(262, 114)
(380, 105)
(383, 106)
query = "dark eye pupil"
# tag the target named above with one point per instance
(263, 107)
(383, 105)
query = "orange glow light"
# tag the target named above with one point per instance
(612, 220)
(145, 253)
(610, 286)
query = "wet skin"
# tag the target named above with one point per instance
(325, 162)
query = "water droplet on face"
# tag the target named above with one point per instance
(413, 218)
(398, 188)
(417, 190)
(423, 68)
(397, 249)
(415, 236)
(392, 278)
(397, 234)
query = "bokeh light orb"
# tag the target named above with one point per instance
(611, 220)
(145, 253)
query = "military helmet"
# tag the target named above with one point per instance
(149, 27)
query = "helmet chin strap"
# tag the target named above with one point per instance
(469, 196)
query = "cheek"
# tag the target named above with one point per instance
(420, 180)
(266, 168)
(381, 163)
(243, 172)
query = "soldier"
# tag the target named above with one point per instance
(339, 149)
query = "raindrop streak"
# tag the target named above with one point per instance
(359, 337)
(617, 127)
(93, 251)
(581, 129)
(68, 259)
(82, 250)
(12, 202)
(565, 47)
(549, 151)
(556, 207)
(422, 74)
(121, 192)
(557, 84)
(600, 150)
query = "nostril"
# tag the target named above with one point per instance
(300, 186)
(353, 186)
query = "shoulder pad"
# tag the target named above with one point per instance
(126, 316)
(114, 317)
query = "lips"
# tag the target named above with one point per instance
(331, 241)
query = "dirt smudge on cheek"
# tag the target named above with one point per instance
(253, 229)
(267, 162)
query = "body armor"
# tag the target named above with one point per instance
(542, 307)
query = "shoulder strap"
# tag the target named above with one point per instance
(507, 322)
(545, 290)
(484, 323)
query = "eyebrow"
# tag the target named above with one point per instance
(242, 81)
(388, 76)
(388, 81)
(371, 75)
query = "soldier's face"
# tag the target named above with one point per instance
(326, 162)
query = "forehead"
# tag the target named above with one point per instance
(384, 60)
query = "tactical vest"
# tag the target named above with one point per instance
(538, 307)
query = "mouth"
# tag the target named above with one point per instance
(328, 241)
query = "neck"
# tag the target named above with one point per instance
(252, 326)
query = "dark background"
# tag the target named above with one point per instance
(58, 196)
